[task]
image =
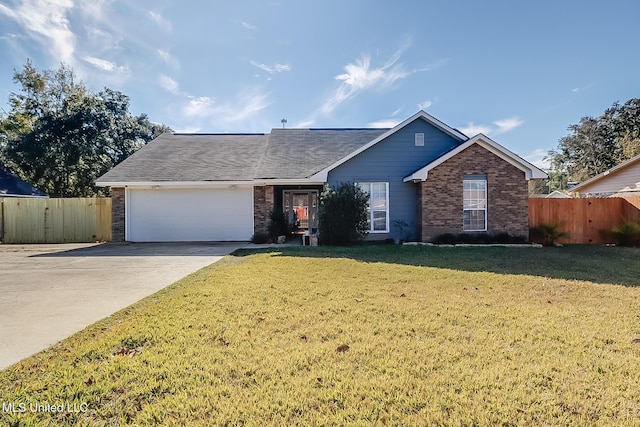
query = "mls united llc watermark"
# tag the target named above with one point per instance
(65, 407)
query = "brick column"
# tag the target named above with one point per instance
(262, 205)
(117, 214)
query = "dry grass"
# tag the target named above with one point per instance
(335, 337)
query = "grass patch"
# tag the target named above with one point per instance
(363, 335)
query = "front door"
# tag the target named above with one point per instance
(301, 208)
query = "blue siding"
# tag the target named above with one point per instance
(390, 161)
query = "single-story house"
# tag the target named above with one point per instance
(619, 181)
(13, 186)
(424, 179)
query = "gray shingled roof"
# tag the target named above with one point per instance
(285, 153)
(11, 185)
(194, 157)
(300, 153)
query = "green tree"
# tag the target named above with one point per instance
(60, 136)
(342, 215)
(597, 144)
(625, 125)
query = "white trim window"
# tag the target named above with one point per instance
(474, 203)
(378, 208)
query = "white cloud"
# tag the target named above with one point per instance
(161, 21)
(200, 107)
(248, 26)
(189, 129)
(305, 124)
(276, 68)
(498, 127)
(168, 83)
(94, 8)
(102, 64)
(537, 157)
(506, 125)
(281, 67)
(101, 41)
(384, 123)
(424, 104)
(247, 104)
(115, 73)
(5, 10)
(164, 55)
(361, 76)
(471, 129)
(47, 22)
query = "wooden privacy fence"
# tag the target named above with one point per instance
(588, 220)
(81, 220)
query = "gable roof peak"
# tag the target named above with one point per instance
(531, 171)
(435, 122)
(420, 115)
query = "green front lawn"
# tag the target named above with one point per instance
(363, 335)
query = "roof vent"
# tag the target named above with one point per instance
(419, 139)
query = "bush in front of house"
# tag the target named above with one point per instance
(548, 233)
(445, 239)
(260, 238)
(342, 215)
(278, 224)
(478, 238)
(628, 234)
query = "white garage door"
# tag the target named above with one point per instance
(183, 215)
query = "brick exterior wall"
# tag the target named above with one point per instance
(117, 214)
(440, 196)
(262, 204)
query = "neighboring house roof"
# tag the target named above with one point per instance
(529, 169)
(623, 178)
(12, 186)
(556, 194)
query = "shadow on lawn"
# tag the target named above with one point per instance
(598, 264)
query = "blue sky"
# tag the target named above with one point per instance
(520, 72)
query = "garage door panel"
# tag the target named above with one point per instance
(190, 215)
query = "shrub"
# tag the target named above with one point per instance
(548, 233)
(518, 239)
(478, 238)
(503, 237)
(445, 239)
(278, 224)
(259, 238)
(342, 215)
(627, 234)
(404, 230)
(471, 238)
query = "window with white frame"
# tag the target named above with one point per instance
(475, 203)
(378, 208)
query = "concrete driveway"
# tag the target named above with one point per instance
(49, 292)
